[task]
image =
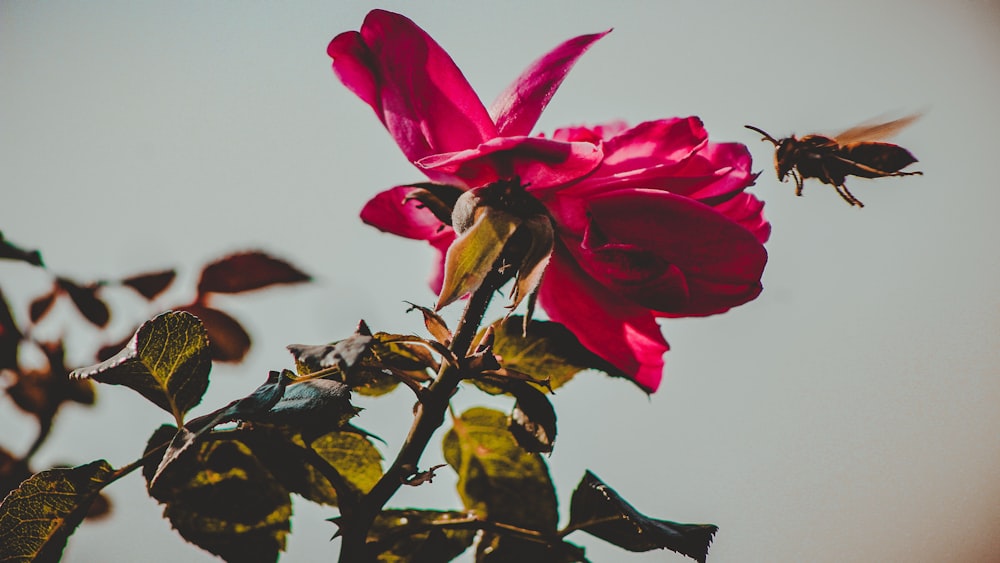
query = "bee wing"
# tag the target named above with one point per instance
(875, 131)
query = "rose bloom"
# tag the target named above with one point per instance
(651, 221)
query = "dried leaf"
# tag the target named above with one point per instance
(435, 324)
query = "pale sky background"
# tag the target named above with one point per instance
(851, 413)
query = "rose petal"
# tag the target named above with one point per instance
(412, 84)
(539, 163)
(747, 210)
(669, 253)
(608, 325)
(516, 109)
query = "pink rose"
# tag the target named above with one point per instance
(651, 221)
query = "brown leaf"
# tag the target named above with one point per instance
(42, 304)
(86, 300)
(246, 272)
(10, 337)
(228, 340)
(152, 284)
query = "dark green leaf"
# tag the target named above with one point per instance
(337, 462)
(152, 284)
(548, 351)
(246, 272)
(533, 422)
(497, 479)
(313, 407)
(12, 252)
(38, 517)
(167, 361)
(261, 400)
(597, 509)
(87, 302)
(220, 497)
(228, 340)
(499, 548)
(419, 536)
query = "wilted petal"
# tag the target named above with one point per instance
(609, 325)
(516, 109)
(669, 253)
(538, 162)
(412, 84)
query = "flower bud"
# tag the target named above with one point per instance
(498, 225)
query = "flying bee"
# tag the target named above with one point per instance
(854, 152)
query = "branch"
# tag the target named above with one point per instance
(429, 417)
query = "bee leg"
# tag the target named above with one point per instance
(847, 196)
(798, 182)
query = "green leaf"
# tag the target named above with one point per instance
(219, 496)
(358, 465)
(419, 536)
(353, 456)
(261, 400)
(497, 479)
(474, 252)
(597, 509)
(38, 517)
(312, 407)
(167, 361)
(548, 350)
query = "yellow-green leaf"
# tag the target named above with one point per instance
(167, 361)
(497, 479)
(38, 517)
